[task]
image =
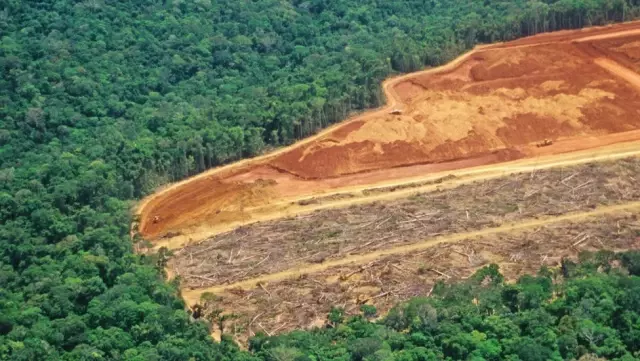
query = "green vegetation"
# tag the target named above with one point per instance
(101, 101)
(588, 311)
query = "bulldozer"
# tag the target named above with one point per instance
(545, 143)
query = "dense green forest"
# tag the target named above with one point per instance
(101, 101)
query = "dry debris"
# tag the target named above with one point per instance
(304, 302)
(273, 246)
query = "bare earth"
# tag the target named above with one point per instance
(378, 208)
(290, 272)
(491, 105)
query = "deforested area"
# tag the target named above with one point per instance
(546, 95)
(304, 302)
(326, 235)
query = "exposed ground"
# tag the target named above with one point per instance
(303, 302)
(498, 102)
(491, 105)
(625, 51)
(286, 274)
(325, 235)
(378, 208)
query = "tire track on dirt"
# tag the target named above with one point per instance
(193, 296)
(620, 71)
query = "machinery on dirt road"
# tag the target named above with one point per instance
(545, 143)
(396, 111)
(156, 219)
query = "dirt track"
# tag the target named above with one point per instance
(491, 95)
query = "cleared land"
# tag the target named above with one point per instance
(304, 301)
(286, 274)
(326, 235)
(488, 106)
(624, 51)
(495, 104)
(379, 208)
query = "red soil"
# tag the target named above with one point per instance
(207, 199)
(491, 106)
(526, 94)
